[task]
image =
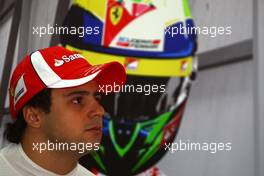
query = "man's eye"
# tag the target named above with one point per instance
(77, 100)
(98, 97)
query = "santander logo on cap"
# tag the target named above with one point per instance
(58, 63)
(65, 59)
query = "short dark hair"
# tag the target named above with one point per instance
(14, 131)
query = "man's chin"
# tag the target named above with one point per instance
(92, 139)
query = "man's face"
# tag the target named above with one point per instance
(75, 115)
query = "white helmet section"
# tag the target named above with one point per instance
(144, 33)
(147, 33)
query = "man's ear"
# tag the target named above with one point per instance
(32, 116)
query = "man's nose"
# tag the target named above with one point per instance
(96, 109)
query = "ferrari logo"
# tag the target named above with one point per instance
(116, 13)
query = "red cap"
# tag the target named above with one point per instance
(57, 67)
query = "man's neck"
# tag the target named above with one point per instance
(59, 162)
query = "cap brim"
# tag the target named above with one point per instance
(105, 74)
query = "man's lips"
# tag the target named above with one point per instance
(96, 128)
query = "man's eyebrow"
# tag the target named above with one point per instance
(80, 92)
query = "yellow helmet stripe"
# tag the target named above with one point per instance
(97, 7)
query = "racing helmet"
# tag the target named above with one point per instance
(155, 41)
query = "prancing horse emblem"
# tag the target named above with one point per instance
(116, 13)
